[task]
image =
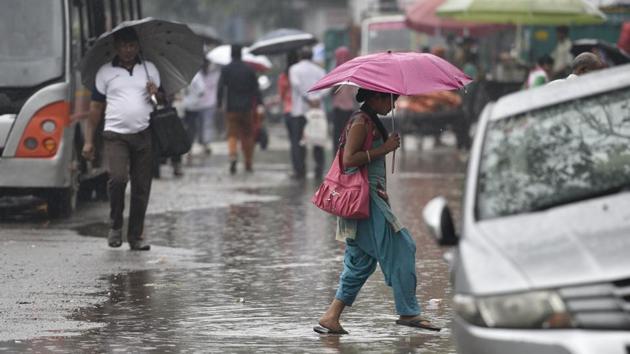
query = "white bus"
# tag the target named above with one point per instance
(41, 45)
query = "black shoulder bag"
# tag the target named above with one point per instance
(170, 138)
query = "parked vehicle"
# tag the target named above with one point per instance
(542, 262)
(41, 46)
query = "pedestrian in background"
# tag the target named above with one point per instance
(541, 73)
(284, 92)
(122, 90)
(302, 76)
(379, 239)
(238, 86)
(199, 104)
(584, 63)
(343, 102)
(561, 54)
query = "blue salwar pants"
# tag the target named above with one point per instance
(376, 242)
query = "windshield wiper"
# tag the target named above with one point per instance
(577, 198)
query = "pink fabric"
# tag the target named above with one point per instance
(400, 73)
(421, 17)
(624, 37)
(343, 97)
(342, 55)
(342, 194)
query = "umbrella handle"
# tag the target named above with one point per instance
(393, 160)
(391, 96)
(154, 100)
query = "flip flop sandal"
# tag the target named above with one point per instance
(324, 330)
(419, 323)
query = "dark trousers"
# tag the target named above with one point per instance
(194, 121)
(130, 159)
(296, 126)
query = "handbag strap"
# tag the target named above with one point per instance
(153, 99)
(342, 140)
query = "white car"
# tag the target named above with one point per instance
(543, 258)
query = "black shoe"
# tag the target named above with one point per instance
(114, 238)
(177, 170)
(232, 167)
(298, 176)
(140, 245)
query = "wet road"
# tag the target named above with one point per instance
(267, 267)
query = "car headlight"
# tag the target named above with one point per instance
(539, 309)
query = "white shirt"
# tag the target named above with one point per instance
(128, 108)
(201, 94)
(302, 76)
(570, 77)
(562, 56)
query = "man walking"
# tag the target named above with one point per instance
(239, 87)
(122, 89)
(302, 76)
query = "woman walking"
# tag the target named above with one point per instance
(379, 239)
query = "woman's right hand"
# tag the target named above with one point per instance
(392, 143)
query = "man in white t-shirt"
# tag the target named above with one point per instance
(302, 76)
(122, 90)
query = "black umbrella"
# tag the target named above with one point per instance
(609, 51)
(281, 41)
(173, 47)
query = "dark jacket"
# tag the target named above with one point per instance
(241, 85)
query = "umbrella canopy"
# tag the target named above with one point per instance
(398, 73)
(421, 17)
(174, 49)
(281, 41)
(222, 55)
(609, 52)
(523, 12)
(208, 33)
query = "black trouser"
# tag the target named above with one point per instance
(129, 159)
(296, 126)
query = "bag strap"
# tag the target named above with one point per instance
(153, 99)
(342, 139)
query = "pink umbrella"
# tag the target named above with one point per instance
(398, 73)
(421, 17)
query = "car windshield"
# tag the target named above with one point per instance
(31, 42)
(556, 155)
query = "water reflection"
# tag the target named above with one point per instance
(272, 268)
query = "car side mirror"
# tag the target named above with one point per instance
(437, 217)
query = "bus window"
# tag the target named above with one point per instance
(383, 33)
(31, 42)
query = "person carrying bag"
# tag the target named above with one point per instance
(378, 238)
(344, 194)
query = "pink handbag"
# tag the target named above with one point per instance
(342, 194)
